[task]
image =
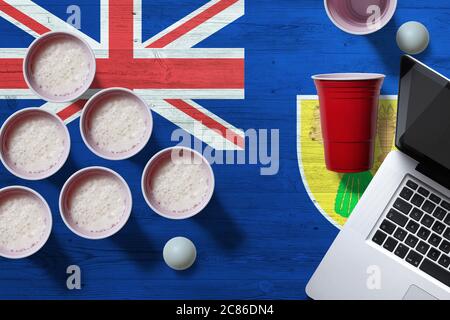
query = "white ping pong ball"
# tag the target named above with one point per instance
(179, 253)
(413, 37)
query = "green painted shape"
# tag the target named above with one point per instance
(350, 190)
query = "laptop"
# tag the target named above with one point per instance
(396, 244)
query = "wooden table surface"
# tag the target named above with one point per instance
(261, 237)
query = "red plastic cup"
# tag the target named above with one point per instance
(348, 112)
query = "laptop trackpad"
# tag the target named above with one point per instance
(415, 293)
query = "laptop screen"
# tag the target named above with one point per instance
(423, 124)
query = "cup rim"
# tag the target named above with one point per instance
(56, 168)
(85, 86)
(49, 227)
(144, 180)
(389, 14)
(348, 76)
(83, 116)
(63, 194)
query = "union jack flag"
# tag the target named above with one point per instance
(165, 70)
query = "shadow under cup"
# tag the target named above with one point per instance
(360, 16)
(348, 112)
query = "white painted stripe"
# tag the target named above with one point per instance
(137, 21)
(45, 18)
(13, 53)
(101, 53)
(18, 24)
(229, 94)
(104, 25)
(72, 118)
(204, 30)
(193, 53)
(180, 22)
(23, 94)
(195, 128)
(388, 97)
(216, 118)
(19, 53)
(307, 97)
(20, 94)
(191, 93)
(209, 27)
(55, 107)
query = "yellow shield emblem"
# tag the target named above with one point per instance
(335, 195)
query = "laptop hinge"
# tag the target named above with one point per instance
(441, 176)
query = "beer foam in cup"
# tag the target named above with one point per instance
(178, 183)
(59, 66)
(116, 124)
(95, 202)
(34, 144)
(25, 222)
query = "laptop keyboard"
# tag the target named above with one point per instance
(416, 228)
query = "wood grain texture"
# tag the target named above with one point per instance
(261, 237)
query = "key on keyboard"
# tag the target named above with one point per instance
(387, 226)
(447, 233)
(445, 205)
(428, 206)
(400, 234)
(435, 198)
(406, 193)
(414, 258)
(379, 237)
(417, 200)
(436, 271)
(412, 184)
(412, 226)
(424, 192)
(438, 227)
(445, 246)
(397, 217)
(427, 220)
(411, 241)
(439, 213)
(416, 214)
(390, 244)
(423, 247)
(444, 261)
(433, 254)
(434, 240)
(447, 219)
(423, 233)
(402, 206)
(401, 250)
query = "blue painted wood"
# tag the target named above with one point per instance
(261, 237)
